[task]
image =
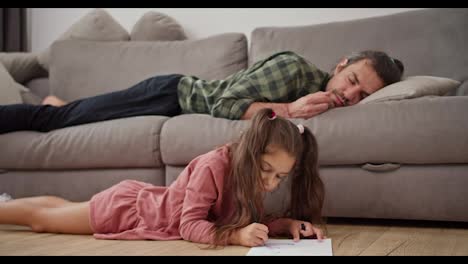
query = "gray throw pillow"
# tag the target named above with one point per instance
(22, 66)
(97, 25)
(10, 91)
(155, 26)
(413, 87)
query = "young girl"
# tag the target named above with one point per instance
(217, 199)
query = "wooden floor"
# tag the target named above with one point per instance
(349, 237)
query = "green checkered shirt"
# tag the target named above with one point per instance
(280, 78)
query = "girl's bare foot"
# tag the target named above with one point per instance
(53, 100)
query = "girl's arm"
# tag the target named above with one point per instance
(279, 226)
(200, 196)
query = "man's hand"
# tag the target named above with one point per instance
(306, 229)
(310, 105)
(305, 107)
(250, 236)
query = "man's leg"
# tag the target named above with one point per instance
(153, 96)
(26, 117)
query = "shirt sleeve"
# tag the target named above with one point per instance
(231, 107)
(276, 80)
(200, 196)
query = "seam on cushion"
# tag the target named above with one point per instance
(154, 142)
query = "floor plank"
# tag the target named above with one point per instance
(349, 238)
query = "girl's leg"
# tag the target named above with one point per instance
(45, 201)
(47, 214)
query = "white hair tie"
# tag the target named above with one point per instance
(301, 128)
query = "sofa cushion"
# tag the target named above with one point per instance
(428, 42)
(85, 68)
(427, 130)
(156, 26)
(9, 89)
(413, 87)
(97, 25)
(120, 143)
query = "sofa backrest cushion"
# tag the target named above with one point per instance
(428, 42)
(86, 68)
(39, 86)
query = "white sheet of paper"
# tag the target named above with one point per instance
(287, 247)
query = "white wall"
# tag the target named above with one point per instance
(46, 24)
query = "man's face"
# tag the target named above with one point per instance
(352, 83)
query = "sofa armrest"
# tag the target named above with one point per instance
(22, 66)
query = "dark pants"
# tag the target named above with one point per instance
(153, 96)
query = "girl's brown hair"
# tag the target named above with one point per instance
(244, 180)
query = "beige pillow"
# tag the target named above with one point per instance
(10, 91)
(413, 87)
(155, 26)
(97, 25)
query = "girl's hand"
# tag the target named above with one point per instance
(296, 228)
(251, 236)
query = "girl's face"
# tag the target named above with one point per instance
(276, 164)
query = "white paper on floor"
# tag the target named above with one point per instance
(287, 247)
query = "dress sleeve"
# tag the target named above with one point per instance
(201, 194)
(276, 227)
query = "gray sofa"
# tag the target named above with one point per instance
(404, 159)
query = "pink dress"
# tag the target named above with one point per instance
(186, 209)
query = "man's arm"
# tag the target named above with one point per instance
(305, 107)
(280, 109)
